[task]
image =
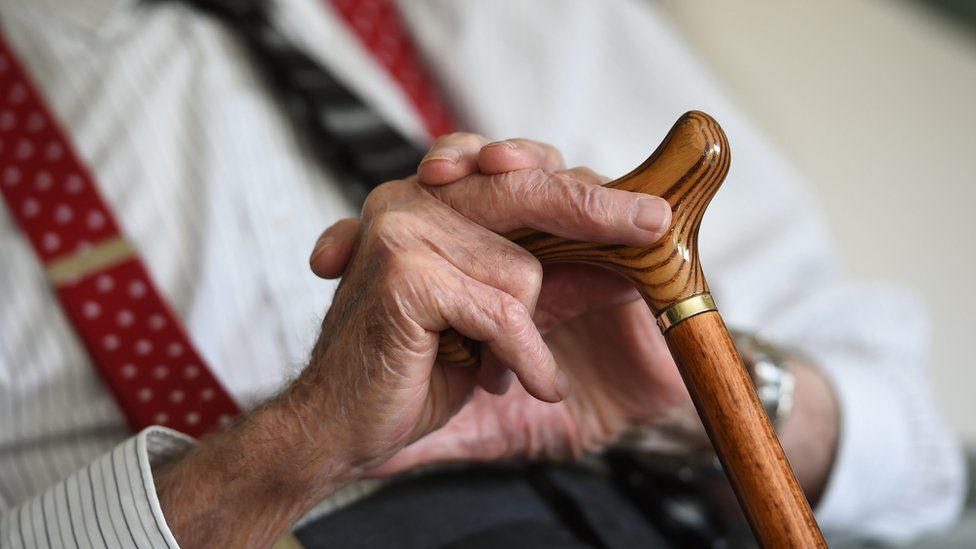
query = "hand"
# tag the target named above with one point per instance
(604, 337)
(607, 342)
(426, 258)
(423, 258)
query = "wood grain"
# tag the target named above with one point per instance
(687, 169)
(741, 433)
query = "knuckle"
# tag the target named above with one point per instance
(510, 316)
(379, 198)
(526, 271)
(389, 223)
(398, 272)
(528, 184)
(590, 205)
(389, 234)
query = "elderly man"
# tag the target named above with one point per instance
(218, 195)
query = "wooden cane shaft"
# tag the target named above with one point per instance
(741, 433)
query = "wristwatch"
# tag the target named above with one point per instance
(771, 370)
(681, 435)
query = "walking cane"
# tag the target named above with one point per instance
(686, 170)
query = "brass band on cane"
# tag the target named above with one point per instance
(685, 309)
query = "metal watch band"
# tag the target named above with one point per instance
(772, 373)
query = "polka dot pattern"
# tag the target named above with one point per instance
(142, 351)
(144, 354)
(378, 26)
(42, 179)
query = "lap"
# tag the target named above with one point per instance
(540, 507)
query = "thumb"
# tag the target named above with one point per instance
(332, 250)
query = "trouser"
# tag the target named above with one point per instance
(541, 506)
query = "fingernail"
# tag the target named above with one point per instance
(653, 214)
(562, 384)
(451, 154)
(323, 242)
(509, 144)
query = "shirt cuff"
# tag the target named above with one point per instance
(873, 450)
(110, 503)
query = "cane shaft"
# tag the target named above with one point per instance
(741, 433)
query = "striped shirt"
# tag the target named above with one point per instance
(224, 203)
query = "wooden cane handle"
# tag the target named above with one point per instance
(686, 170)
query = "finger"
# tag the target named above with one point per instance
(456, 385)
(483, 255)
(519, 154)
(450, 158)
(573, 290)
(506, 327)
(489, 315)
(493, 376)
(568, 204)
(468, 247)
(334, 248)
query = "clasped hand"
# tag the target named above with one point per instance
(426, 255)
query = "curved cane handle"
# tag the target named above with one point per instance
(686, 170)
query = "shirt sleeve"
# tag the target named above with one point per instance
(898, 470)
(109, 503)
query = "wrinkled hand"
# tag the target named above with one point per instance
(428, 257)
(603, 336)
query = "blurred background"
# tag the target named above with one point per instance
(875, 102)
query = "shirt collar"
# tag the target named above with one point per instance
(92, 14)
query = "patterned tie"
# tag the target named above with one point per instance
(348, 137)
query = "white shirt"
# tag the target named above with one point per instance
(215, 189)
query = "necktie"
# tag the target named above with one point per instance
(348, 136)
(377, 24)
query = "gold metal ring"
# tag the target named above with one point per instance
(684, 309)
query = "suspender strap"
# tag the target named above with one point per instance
(138, 345)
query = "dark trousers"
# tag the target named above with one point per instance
(488, 507)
